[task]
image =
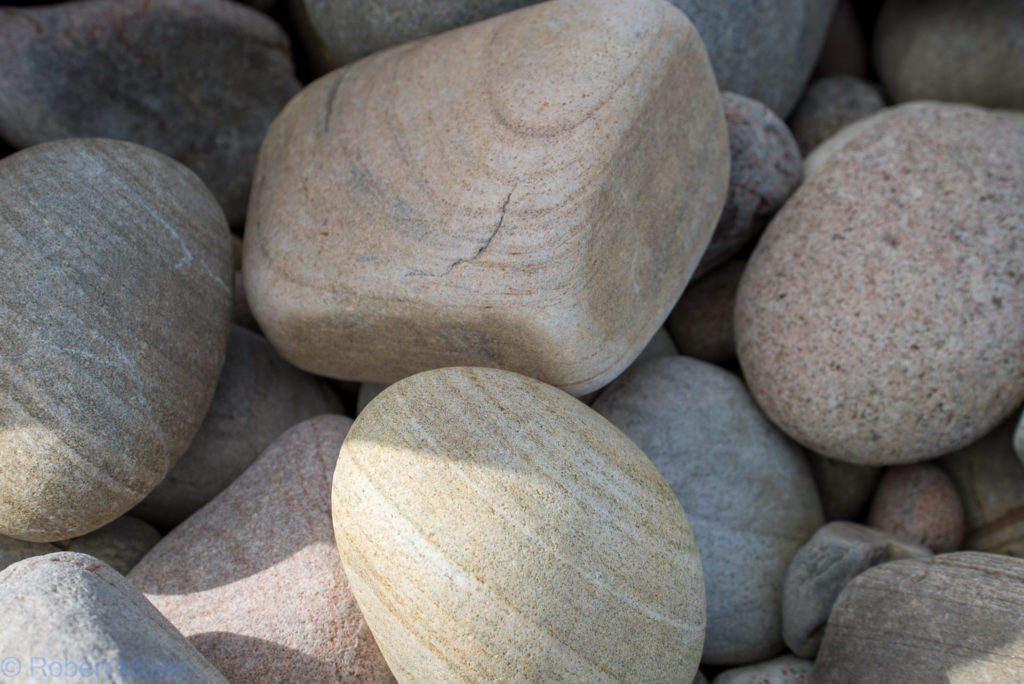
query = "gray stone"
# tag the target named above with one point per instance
(70, 615)
(956, 50)
(14, 550)
(199, 80)
(785, 669)
(120, 544)
(116, 261)
(764, 50)
(845, 488)
(829, 105)
(747, 491)
(764, 169)
(701, 322)
(259, 396)
(1018, 438)
(953, 618)
(836, 554)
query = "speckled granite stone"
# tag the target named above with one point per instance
(115, 305)
(785, 669)
(199, 80)
(881, 317)
(919, 502)
(830, 104)
(701, 323)
(531, 192)
(254, 580)
(953, 618)
(489, 526)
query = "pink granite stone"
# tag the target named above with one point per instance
(254, 579)
(919, 503)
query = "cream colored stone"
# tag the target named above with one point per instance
(495, 529)
(531, 192)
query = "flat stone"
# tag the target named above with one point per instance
(952, 50)
(880, 320)
(489, 524)
(836, 554)
(845, 488)
(199, 80)
(266, 599)
(952, 618)
(68, 615)
(531, 192)
(830, 104)
(764, 169)
(120, 544)
(764, 50)
(701, 323)
(919, 502)
(259, 396)
(990, 480)
(785, 669)
(746, 488)
(116, 261)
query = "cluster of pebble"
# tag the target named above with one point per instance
(681, 341)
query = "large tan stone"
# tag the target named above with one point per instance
(115, 307)
(495, 529)
(531, 192)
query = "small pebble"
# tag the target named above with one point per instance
(829, 105)
(787, 669)
(919, 502)
(701, 322)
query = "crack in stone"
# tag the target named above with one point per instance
(483, 245)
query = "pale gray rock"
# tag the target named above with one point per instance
(785, 669)
(120, 544)
(845, 488)
(747, 491)
(830, 104)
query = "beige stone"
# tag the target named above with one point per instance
(531, 192)
(880, 320)
(493, 528)
(953, 618)
(115, 300)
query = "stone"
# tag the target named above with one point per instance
(785, 669)
(1018, 438)
(489, 526)
(68, 615)
(952, 618)
(241, 314)
(836, 554)
(115, 262)
(747, 491)
(268, 600)
(367, 392)
(952, 50)
(699, 678)
(990, 481)
(14, 550)
(199, 80)
(701, 323)
(343, 31)
(845, 50)
(120, 544)
(531, 192)
(661, 344)
(764, 169)
(845, 489)
(829, 105)
(259, 396)
(880, 320)
(765, 50)
(919, 502)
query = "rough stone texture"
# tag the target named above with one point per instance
(259, 397)
(199, 80)
(952, 618)
(531, 192)
(830, 104)
(267, 599)
(836, 554)
(919, 502)
(69, 609)
(120, 544)
(747, 491)
(764, 50)
(990, 480)
(956, 50)
(343, 31)
(764, 169)
(489, 525)
(785, 669)
(881, 317)
(845, 50)
(115, 261)
(14, 550)
(701, 323)
(845, 488)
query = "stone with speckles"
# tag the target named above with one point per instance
(116, 306)
(254, 580)
(880, 320)
(531, 192)
(490, 527)
(919, 502)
